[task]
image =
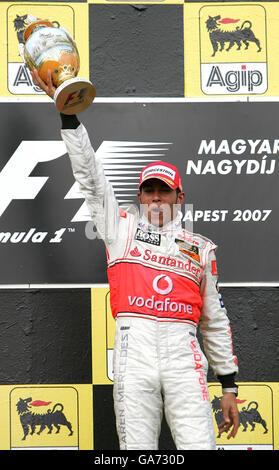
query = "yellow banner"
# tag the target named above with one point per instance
(230, 49)
(258, 416)
(15, 78)
(103, 329)
(46, 417)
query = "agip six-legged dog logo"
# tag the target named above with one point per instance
(238, 36)
(249, 415)
(31, 420)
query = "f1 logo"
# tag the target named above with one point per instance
(15, 179)
(16, 182)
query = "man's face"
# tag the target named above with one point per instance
(160, 202)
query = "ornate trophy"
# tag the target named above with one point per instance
(47, 47)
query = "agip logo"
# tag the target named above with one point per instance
(44, 417)
(19, 78)
(233, 56)
(256, 418)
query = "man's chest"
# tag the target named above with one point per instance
(171, 250)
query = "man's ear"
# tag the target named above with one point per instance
(180, 197)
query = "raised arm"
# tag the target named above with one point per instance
(87, 170)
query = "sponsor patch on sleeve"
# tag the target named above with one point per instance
(214, 268)
(188, 249)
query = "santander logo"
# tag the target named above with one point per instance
(159, 290)
(172, 263)
(135, 252)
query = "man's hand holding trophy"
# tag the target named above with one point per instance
(52, 57)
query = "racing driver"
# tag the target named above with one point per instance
(163, 284)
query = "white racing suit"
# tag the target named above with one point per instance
(162, 285)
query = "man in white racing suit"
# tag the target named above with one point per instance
(163, 284)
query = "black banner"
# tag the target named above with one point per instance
(227, 154)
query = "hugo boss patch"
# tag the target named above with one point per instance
(148, 237)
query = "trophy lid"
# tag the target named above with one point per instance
(34, 24)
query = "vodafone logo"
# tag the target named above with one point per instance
(163, 285)
(165, 290)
